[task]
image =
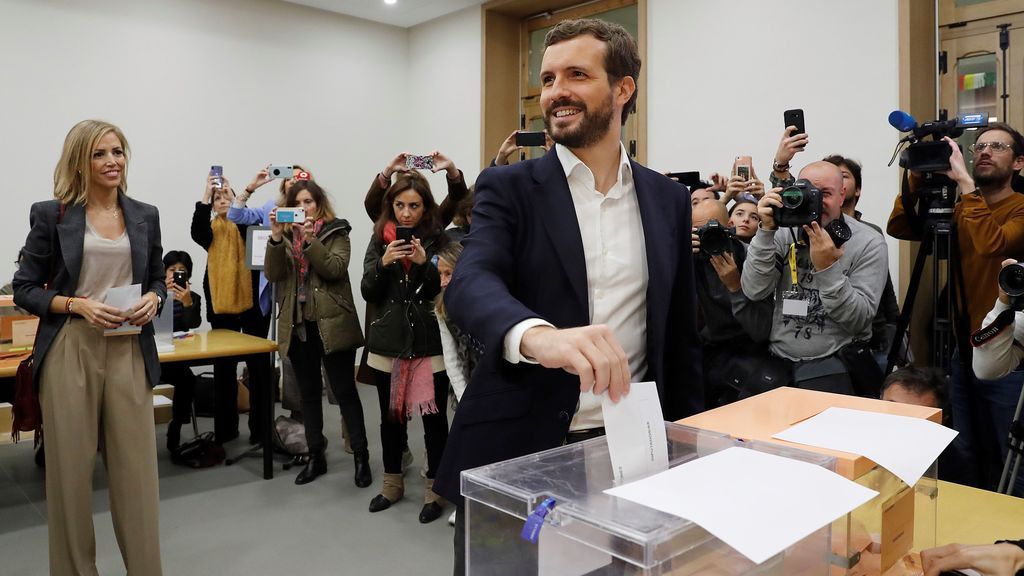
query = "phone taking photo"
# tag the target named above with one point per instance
(688, 179)
(419, 162)
(794, 117)
(181, 278)
(217, 172)
(404, 233)
(285, 172)
(741, 167)
(524, 138)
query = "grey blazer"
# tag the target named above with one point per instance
(56, 249)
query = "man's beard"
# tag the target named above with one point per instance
(590, 130)
(996, 178)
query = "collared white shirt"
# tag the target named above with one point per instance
(617, 276)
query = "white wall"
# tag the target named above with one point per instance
(444, 91)
(721, 73)
(192, 83)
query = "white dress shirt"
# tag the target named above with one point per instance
(616, 259)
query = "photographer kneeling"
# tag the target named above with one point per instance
(735, 330)
(826, 274)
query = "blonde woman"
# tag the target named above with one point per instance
(95, 390)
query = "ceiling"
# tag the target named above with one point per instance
(404, 13)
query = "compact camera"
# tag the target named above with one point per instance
(291, 215)
(715, 238)
(281, 172)
(801, 205)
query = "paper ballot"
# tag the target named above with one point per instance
(902, 445)
(760, 504)
(635, 431)
(123, 298)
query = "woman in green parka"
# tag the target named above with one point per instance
(317, 323)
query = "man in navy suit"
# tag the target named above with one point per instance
(576, 277)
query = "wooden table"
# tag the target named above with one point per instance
(972, 516)
(202, 347)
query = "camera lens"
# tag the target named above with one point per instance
(1011, 280)
(714, 241)
(792, 197)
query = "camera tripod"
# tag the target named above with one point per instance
(1015, 453)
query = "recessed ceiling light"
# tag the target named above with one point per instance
(390, 1)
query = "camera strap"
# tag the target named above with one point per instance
(987, 333)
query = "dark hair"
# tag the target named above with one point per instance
(743, 201)
(621, 56)
(464, 210)
(852, 165)
(920, 381)
(323, 203)
(1018, 140)
(178, 257)
(431, 221)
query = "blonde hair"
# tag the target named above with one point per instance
(450, 255)
(74, 170)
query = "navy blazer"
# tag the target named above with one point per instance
(56, 249)
(523, 259)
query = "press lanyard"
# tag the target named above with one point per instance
(792, 263)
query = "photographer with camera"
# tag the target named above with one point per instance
(735, 330)
(989, 220)
(826, 274)
(186, 316)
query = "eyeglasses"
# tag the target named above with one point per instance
(993, 146)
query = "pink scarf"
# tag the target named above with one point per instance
(412, 388)
(301, 265)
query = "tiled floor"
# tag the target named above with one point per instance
(227, 520)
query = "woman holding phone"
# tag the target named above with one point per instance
(405, 355)
(95, 390)
(308, 259)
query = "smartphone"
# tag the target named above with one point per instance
(688, 179)
(794, 118)
(419, 162)
(404, 233)
(291, 215)
(281, 172)
(181, 278)
(530, 138)
(741, 167)
(217, 172)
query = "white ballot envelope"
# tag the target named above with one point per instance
(123, 298)
(635, 430)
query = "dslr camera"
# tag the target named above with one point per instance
(1011, 280)
(801, 204)
(715, 238)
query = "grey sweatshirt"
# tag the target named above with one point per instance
(842, 299)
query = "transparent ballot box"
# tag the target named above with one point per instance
(590, 532)
(882, 536)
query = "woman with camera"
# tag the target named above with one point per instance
(404, 343)
(95, 391)
(231, 291)
(318, 321)
(178, 270)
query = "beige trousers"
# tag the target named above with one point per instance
(94, 393)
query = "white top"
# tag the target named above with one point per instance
(999, 356)
(452, 362)
(616, 259)
(105, 264)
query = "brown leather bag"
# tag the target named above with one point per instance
(26, 412)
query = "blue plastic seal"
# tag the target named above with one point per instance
(535, 521)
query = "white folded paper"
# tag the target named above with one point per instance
(760, 504)
(123, 298)
(902, 445)
(635, 429)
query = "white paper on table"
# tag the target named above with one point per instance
(123, 298)
(561, 556)
(760, 504)
(635, 429)
(902, 445)
(161, 400)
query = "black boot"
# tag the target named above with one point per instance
(173, 435)
(363, 476)
(317, 466)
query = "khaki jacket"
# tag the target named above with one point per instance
(329, 290)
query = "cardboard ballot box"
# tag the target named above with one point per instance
(876, 538)
(590, 532)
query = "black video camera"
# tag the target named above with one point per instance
(801, 204)
(715, 238)
(1011, 280)
(933, 155)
